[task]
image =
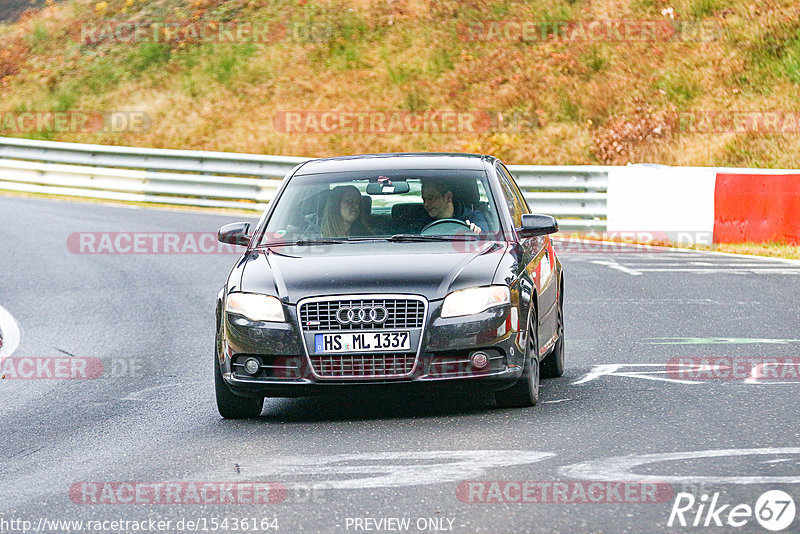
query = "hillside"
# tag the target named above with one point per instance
(10, 10)
(682, 82)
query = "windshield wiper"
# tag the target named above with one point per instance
(418, 237)
(320, 241)
(396, 238)
(303, 242)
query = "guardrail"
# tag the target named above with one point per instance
(576, 195)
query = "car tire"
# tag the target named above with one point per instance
(525, 393)
(232, 406)
(553, 364)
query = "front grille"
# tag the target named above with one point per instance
(363, 365)
(402, 313)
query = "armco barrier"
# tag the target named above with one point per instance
(698, 203)
(574, 194)
(134, 185)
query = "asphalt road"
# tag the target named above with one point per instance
(348, 463)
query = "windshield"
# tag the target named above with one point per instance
(363, 205)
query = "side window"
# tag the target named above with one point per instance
(512, 200)
(517, 193)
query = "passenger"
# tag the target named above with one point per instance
(439, 202)
(342, 215)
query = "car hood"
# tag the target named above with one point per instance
(429, 269)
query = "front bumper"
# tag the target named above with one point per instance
(442, 358)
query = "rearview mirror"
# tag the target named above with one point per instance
(235, 234)
(534, 224)
(387, 187)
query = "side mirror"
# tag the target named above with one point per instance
(534, 224)
(235, 234)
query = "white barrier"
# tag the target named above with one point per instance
(669, 203)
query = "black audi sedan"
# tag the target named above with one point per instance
(412, 270)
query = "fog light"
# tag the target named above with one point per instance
(480, 360)
(251, 365)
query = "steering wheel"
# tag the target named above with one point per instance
(456, 226)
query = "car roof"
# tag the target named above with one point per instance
(395, 161)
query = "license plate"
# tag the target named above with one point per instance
(362, 342)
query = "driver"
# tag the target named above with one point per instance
(437, 197)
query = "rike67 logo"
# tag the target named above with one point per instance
(774, 510)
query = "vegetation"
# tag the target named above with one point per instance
(550, 99)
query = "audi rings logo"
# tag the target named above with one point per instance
(362, 315)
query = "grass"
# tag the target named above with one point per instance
(227, 63)
(770, 250)
(149, 55)
(440, 61)
(412, 55)
(679, 89)
(38, 37)
(568, 109)
(704, 8)
(791, 59)
(594, 60)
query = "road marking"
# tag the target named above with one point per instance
(617, 266)
(764, 270)
(648, 259)
(716, 341)
(383, 469)
(757, 372)
(177, 385)
(637, 270)
(657, 251)
(11, 333)
(726, 265)
(621, 467)
(612, 370)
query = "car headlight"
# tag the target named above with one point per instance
(255, 307)
(474, 300)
